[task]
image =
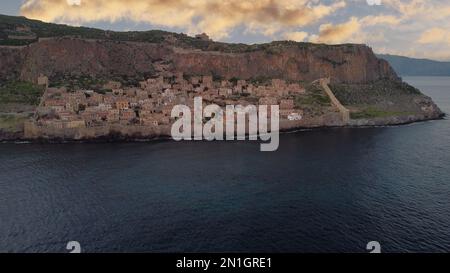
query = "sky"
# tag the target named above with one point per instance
(414, 28)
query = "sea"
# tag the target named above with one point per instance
(328, 190)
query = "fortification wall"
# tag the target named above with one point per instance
(336, 103)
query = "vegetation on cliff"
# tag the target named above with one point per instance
(314, 102)
(382, 99)
(373, 93)
(18, 100)
(12, 123)
(14, 30)
(372, 112)
(20, 93)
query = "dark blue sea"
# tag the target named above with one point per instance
(328, 190)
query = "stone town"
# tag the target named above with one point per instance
(151, 103)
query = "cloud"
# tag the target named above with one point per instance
(380, 20)
(420, 9)
(435, 36)
(334, 34)
(215, 17)
(74, 2)
(298, 36)
(409, 26)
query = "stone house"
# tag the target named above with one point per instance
(224, 92)
(187, 87)
(162, 119)
(127, 114)
(133, 102)
(295, 88)
(94, 100)
(179, 77)
(112, 85)
(57, 124)
(43, 80)
(278, 84)
(281, 92)
(145, 113)
(143, 84)
(75, 97)
(207, 81)
(148, 106)
(23, 28)
(285, 113)
(58, 108)
(237, 89)
(70, 106)
(122, 104)
(203, 37)
(195, 80)
(199, 89)
(167, 110)
(130, 92)
(225, 83)
(148, 121)
(287, 104)
(113, 115)
(54, 91)
(261, 91)
(92, 114)
(242, 83)
(66, 115)
(117, 92)
(250, 89)
(109, 99)
(72, 124)
(104, 106)
(54, 102)
(268, 101)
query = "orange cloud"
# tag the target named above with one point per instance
(334, 34)
(215, 17)
(435, 36)
(297, 36)
(380, 20)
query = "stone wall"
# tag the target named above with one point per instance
(33, 131)
(345, 113)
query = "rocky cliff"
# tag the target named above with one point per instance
(29, 47)
(291, 61)
(106, 58)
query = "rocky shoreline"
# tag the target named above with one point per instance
(9, 137)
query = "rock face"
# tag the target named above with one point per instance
(83, 57)
(11, 62)
(344, 64)
(290, 61)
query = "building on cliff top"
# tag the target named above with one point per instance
(203, 37)
(43, 80)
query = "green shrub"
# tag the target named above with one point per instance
(372, 112)
(21, 92)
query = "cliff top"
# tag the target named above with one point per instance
(20, 31)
